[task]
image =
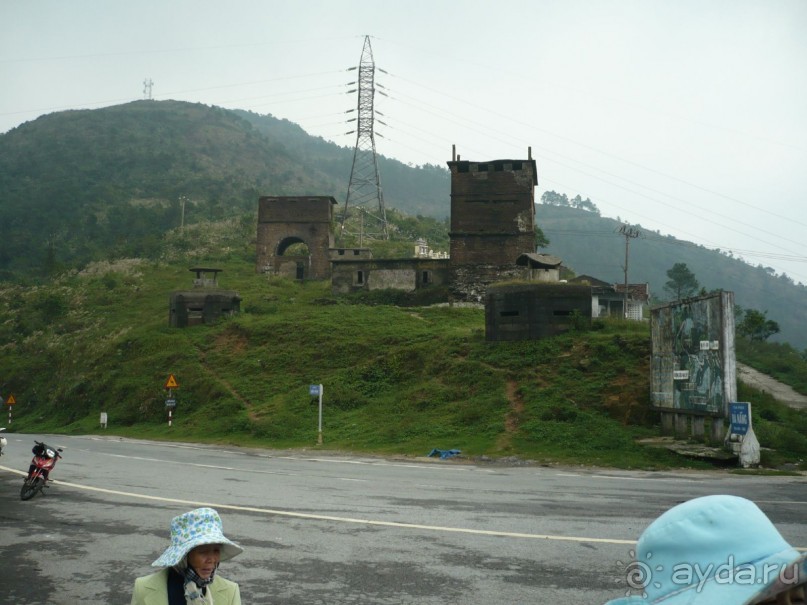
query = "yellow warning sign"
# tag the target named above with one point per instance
(11, 400)
(171, 383)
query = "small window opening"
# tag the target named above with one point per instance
(360, 277)
(509, 314)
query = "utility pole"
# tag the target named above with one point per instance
(182, 200)
(629, 233)
(364, 190)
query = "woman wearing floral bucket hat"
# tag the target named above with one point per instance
(715, 550)
(189, 565)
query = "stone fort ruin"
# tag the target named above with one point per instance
(492, 237)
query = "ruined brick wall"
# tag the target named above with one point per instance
(400, 274)
(492, 211)
(283, 221)
(470, 283)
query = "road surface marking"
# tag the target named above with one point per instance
(285, 513)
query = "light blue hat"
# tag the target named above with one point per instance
(192, 529)
(715, 550)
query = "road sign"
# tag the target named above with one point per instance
(171, 383)
(313, 390)
(11, 400)
(740, 415)
(170, 403)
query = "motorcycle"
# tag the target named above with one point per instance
(3, 442)
(44, 460)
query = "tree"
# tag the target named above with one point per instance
(755, 325)
(541, 240)
(682, 282)
(553, 198)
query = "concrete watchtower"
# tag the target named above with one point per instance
(285, 221)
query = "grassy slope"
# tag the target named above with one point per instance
(396, 380)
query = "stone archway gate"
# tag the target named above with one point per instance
(283, 221)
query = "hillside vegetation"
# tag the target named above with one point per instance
(88, 185)
(591, 245)
(397, 379)
(83, 186)
(103, 212)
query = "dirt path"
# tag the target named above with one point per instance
(777, 390)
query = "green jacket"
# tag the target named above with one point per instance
(153, 590)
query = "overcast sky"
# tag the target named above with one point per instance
(687, 117)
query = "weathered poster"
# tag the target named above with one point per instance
(693, 366)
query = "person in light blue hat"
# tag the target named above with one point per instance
(189, 565)
(715, 550)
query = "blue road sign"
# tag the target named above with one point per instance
(740, 415)
(313, 390)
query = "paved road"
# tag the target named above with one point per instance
(331, 529)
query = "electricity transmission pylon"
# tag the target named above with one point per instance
(364, 194)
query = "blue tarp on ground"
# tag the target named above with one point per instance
(444, 453)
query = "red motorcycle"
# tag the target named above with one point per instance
(44, 460)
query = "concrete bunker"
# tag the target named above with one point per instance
(205, 303)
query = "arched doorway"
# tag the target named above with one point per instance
(286, 221)
(293, 258)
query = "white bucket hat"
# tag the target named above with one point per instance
(192, 529)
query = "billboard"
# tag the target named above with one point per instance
(693, 368)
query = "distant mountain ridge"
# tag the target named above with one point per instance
(592, 245)
(83, 185)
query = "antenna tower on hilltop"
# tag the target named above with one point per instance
(364, 190)
(147, 84)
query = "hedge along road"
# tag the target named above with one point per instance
(327, 528)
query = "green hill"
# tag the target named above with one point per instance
(91, 204)
(90, 185)
(396, 379)
(87, 185)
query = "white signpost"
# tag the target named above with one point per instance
(10, 401)
(316, 390)
(171, 403)
(741, 434)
